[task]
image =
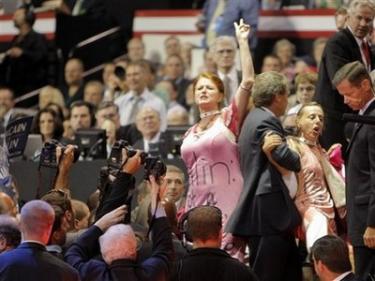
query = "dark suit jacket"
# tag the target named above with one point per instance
(87, 246)
(350, 277)
(129, 133)
(211, 264)
(341, 49)
(31, 261)
(265, 207)
(360, 180)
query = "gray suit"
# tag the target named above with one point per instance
(265, 212)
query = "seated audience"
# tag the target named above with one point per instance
(30, 260)
(10, 235)
(93, 92)
(6, 107)
(177, 117)
(330, 255)
(172, 46)
(50, 94)
(81, 117)
(25, 62)
(305, 91)
(109, 110)
(110, 129)
(174, 71)
(148, 123)
(313, 60)
(74, 83)
(136, 49)
(271, 63)
(207, 261)
(138, 96)
(286, 51)
(48, 125)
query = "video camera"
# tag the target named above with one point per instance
(152, 165)
(48, 154)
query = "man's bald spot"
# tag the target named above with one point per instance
(37, 217)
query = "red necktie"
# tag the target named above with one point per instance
(366, 52)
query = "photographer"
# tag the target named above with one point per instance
(120, 257)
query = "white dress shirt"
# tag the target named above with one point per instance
(233, 76)
(125, 104)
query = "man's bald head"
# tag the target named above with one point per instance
(36, 221)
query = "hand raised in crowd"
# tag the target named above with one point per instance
(242, 30)
(112, 218)
(66, 160)
(157, 190)
(133, 163)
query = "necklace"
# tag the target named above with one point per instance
(209, 113)
(309, 143)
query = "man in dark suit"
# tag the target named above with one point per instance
(330, 255)
(345, 46)
(207, 261)
(30, 260)
(354, 84)
(266, 213)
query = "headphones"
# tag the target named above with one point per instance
(183, 226)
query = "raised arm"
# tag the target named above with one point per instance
(244, 90)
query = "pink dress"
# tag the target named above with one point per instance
(212, 161)
(313, 199)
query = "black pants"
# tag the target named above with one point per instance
(364, 261)
(275, 258)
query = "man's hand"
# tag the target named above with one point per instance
(133, 163)
(157, 190)
(112, 218)
(15, 52)
(66, 161)
(270, 142)
(369, 237)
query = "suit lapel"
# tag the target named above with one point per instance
(357, 128)
(356, 49)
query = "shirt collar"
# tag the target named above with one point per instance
(232, 74)
(143, 95)
(33, 241)
(266, 109)
(363, 109)
(342, 276)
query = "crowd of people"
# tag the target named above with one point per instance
(274, 184)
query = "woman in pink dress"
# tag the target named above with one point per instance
(209, 149)
(318, 181)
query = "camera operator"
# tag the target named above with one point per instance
(120, 257)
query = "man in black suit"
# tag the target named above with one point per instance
(30, 260)
(207, 261)
(266, 213)
(344, 47)
(354, 84)
(330, 255)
